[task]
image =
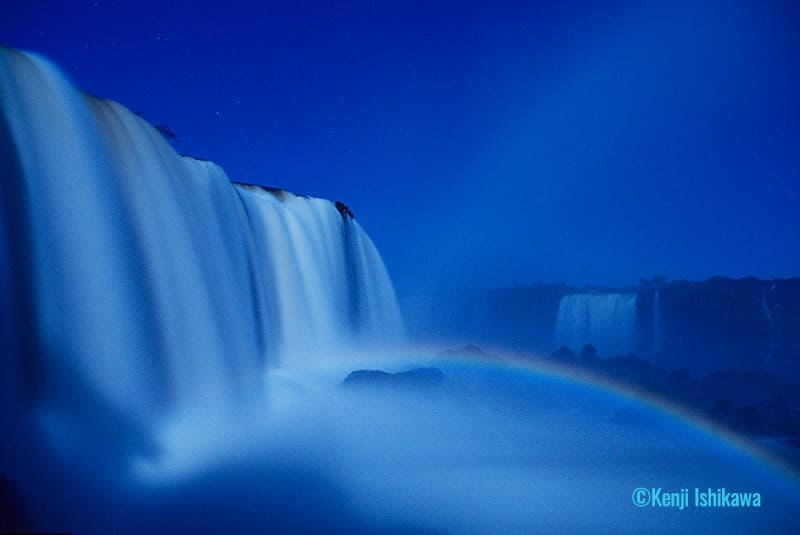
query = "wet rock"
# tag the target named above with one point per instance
(416, 377)
(563, 354)
(344, 210)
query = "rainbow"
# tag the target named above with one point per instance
(539, 366)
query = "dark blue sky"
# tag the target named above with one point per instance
(588, 142)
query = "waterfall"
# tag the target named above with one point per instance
(657, 334)
(608, 321)
(151, 284)
(773, 333)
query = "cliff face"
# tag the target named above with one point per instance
(744, 324)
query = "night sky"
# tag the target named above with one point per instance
(479, 145)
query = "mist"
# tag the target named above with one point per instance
(498, 448)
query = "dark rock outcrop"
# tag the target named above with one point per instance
(344, 210)
(589, 355)
(563, 354)
(416, 377)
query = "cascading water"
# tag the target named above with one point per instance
(657, 334)
(773, 333)
(322, 281)
(151, 284)
(607, 321)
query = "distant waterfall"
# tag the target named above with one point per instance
(608, 321)
(150, 283)
(773, 333)
(657, 334)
